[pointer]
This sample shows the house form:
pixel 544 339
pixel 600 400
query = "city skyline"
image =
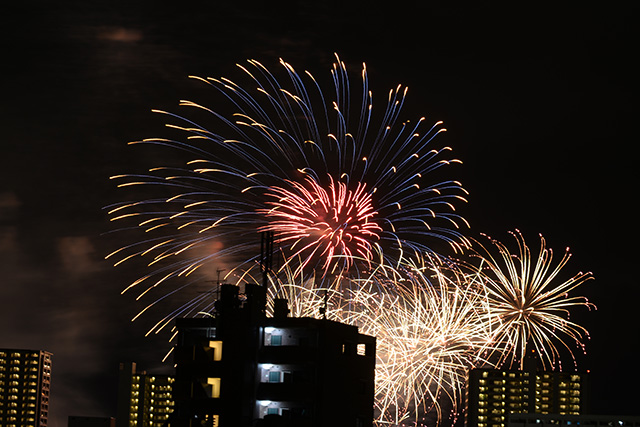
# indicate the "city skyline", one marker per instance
pixel 541 120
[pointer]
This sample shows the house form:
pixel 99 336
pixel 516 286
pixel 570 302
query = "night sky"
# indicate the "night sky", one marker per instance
pixel 537 102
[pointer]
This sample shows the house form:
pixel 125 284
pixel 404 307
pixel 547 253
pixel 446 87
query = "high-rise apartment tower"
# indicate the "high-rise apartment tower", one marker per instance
pixel 493 394
pixel 25 383
pixel 144 400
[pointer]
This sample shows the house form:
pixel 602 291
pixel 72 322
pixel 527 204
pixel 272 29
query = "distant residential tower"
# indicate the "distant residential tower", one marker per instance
pixel 144 400
pixel 25 383
pixel 494 394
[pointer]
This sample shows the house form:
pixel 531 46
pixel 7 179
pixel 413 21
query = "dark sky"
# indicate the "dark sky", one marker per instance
pixel 537 102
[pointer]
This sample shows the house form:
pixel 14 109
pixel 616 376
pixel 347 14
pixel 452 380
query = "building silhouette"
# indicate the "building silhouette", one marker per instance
pixel 144 400
pixel 494 394
pixel 240 368
pixel 25 383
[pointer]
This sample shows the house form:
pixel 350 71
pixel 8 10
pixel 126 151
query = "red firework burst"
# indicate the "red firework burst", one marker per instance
pixel 334 224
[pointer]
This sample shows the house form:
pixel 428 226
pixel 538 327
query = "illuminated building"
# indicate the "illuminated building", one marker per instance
pixel 144 400
pixel 25 383
pixel 241 368
pixel 493 394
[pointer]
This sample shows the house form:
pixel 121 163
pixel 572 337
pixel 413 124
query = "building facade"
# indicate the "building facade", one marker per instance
pixel 241 368
pixel 25 385
pixel 144 400
pixel 493 394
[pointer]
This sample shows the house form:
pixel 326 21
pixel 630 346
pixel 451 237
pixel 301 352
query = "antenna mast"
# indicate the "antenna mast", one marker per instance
pixel 266 257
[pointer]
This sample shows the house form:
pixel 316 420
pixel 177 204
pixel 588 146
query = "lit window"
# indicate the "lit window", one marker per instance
pixel 217 350
pixel 361 349
pixel 276 340
pixel 214 387
pixel 274 377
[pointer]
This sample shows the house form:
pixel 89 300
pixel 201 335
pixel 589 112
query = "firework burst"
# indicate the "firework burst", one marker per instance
pixel 528 304
pixel 335 180
pixel 331 222
pixel 428 323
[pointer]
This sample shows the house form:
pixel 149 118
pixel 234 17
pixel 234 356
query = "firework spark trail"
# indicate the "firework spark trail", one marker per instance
pixel 360 182
pixel 528 304
pixel 427 319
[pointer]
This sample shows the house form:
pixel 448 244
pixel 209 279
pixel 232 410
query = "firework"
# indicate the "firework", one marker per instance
pixel 429 330
pixel 334 179
pixel 528 304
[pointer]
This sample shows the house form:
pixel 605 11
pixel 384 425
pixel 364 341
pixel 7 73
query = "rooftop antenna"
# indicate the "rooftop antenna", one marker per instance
pixel 217 290
pixel 219 270
pixel 325 299
pixel 266 257
pixel 323 309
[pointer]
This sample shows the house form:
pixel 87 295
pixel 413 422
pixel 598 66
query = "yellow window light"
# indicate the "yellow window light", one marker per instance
pixel 214 384
pixel 217 350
